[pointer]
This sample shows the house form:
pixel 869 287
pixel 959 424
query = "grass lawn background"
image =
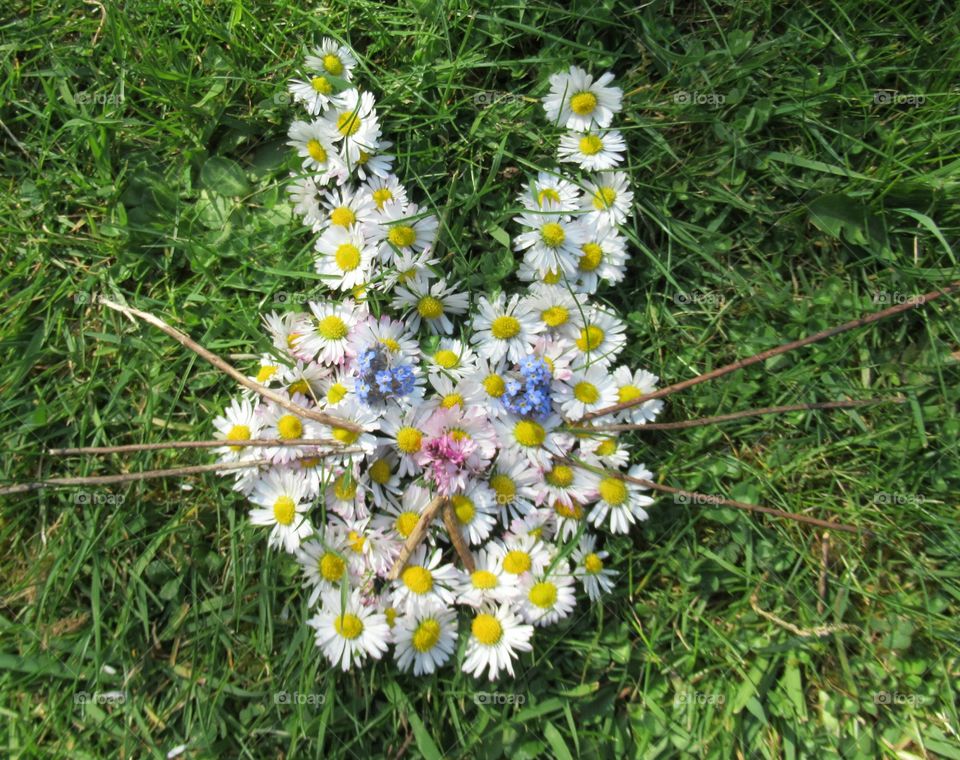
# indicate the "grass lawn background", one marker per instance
pixel 795 165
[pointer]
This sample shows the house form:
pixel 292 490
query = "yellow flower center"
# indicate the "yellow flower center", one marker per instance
pixel 516 562
pixel 300 386
pixel 391 344
pixel 483 579
pixel 529 433
pixel 543 595
pixel 356 541
pixel 345 487
pixel 321 85
pixel 607 447
pixel 464 508
pixel 548 194
pixel 592 563
pixel 451 400
pixel 628 393
pixel 586 393
pixel 382 196
pixel 430 307
pixel 402 236
pixel 363 158
pixel 391 613
pixel 332 567
pixel 265 373
pixel 336 393
pixel 426 636
pixel 446 359
pixel 552 235
pixel 332 328
pixel 292 341
pixel 504 487
pixel 346 437
pixel 549 362
pixel 289 427
pixel 380 472
pixel 591 258
pixel 591 337
pixel 486 629
pixel 317 152
pixel 409 440
pixel 604 198
pixel 349 626
pixel 406 522
pixel 613 491
pixel 342 216
pixel 494 385
pixel 555 316
pixel 504 328
pixel 418 579
pixel 332 64
pixel 582 103
pixel 348 123
pixel 238 433
pixel 348 257
pixel 560 476
pixel 590 145
pixel 551 277
pixel 572 512
pixel 283 509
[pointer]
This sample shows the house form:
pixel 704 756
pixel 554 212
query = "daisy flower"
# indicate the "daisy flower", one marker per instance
pixel 474 509
pixel 372 551
pixel 589 568
pixel 332 58
pixel 431 304
pixel 491 377
pixel 592 151
pixel 568 517
pixel 601 337
pixel 632 385
pixel 279 422
pixel 373 162
pixel 547 598
pixel 604 450
pixel 385 191
pixel 348 631
pixel 346 495
pixel 392 334
pixel 402 229
pixel 550 242
pixel 363 441
pixel 621 500
pixel 305 196
pixel 336 387
pixel 586 391
pixel 315 472
pixel 576 101
pixel 404 430
pixel 345 258
pixel 537 441
pixel 539 523
pixel 382 479
pixel 602 257
pixel 315 92
pixel 522 554
pixel 303 378
pixel 607 199
pixel 550 192
pixel 239 422
pixel 488 584
pixel 314 142
pixel 353 120
pixel 453 358
pixel 400 521
pixel 406 267
pixel 555 307
pixel 513 481
pixel 504 329
pixel 346 208
pixel 423 581
pixel 564 484
pixel 495 638
pixel 324 562
pixel 281 498
pixel 283 329
pixel 425 638
pixel 326 337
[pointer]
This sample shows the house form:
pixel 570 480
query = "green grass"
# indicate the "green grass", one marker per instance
pixel 777 196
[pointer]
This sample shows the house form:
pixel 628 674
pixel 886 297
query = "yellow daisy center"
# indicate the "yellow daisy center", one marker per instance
pixel 613 491
pixel 548 194
pixel 348 257
pixel 549 362
pixel 591 337
pixel 552 235
pixel 332 567
pixel 317 152
pixel 332 328
pixel 363 158
pixel 289 427
pixel 504 487
pixel 349 626
pixel 348 123
pixel 391 344
pixel 516 562
pixel 483 579
pixel 283 509
pixel 336 393
pixel 555 316
pixel 238 433
pixel 345 488
pixel 300 386
pixel 581 103
pixel 418 579
pixel 451 400
pixel 590 145
pixel 265 373
pixel 342 216
pixel 464 508
pixel 380 472
pixel 504 328
pixel 592 563
pixel 543 595
pixel 409 440
pixel 551 277
pixel 382 196
pixel 346 437
pixel 560 476
pixel 332 64
pixel 628 393
pixel 529 433
pixel 402 235
pixel 494 385
pixel 406 522
pixel 321 85
pixel 446 358
pixel 604 198
pixel 430 307
pixel 586 393
pixel 486 629
pixel 591 258
pixel 426 636
pixel 607 447
pixel 356 541
pixel 572 512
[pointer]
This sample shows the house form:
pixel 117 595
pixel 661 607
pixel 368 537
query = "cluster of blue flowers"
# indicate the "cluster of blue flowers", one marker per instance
pixel 378 380
pixel 529 395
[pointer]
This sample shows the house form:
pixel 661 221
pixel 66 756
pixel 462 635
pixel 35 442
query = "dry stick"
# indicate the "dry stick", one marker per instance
pixel 738 415
pixel 216 361
pixel 764 355
pixel 416 536
pixel 456 537
pixel 134 447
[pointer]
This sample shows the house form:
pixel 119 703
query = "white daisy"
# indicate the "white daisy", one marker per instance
pixel 433 305
pixel 337 387
pixel 550 243
pixel 373 162
pixel 332 58
pixel 586 391
pixel 305 196
pixel 402 229
pixel 385 191
pixel 348 631
pixel 568 517
pixel 314 142
pixel 488 583
pixel 407 266
pixel 602 257
pixel 400 520
pixel 495 639
pixel 404 430
pixel 346 496
pixel 522 554
pixel 303 378
pixel 592 151
pixel 326 336
pixel 353 121
pixel 555 307
pixel 563 483
pixel 345 208
pixel 424 580
pixel 513 480
pixel 393 334
pixel 345 258
pixel 283 329
pixel 633 385
pixel 547 598
pixel 621 500
pixel 550 192
pixel 453 358
pixel 604 450
pixel 538 441
pixel 589 568
pixel 608 199
pixel 324 561
pixel 504 329
pixel 426 638
pixel 600 339
pixel 238 423
pixel 279 422
pixel 538 523
pixel 382 479
pixel 315 92
pixel 475 510
pixel 575 101
pixel 281 498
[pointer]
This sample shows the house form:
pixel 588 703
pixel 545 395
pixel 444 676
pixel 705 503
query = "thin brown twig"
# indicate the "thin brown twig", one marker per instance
pixel 456 537
pixel 427 517
pixel 700 421
pixel 186 341
pixel 910 303
pixel 135 447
